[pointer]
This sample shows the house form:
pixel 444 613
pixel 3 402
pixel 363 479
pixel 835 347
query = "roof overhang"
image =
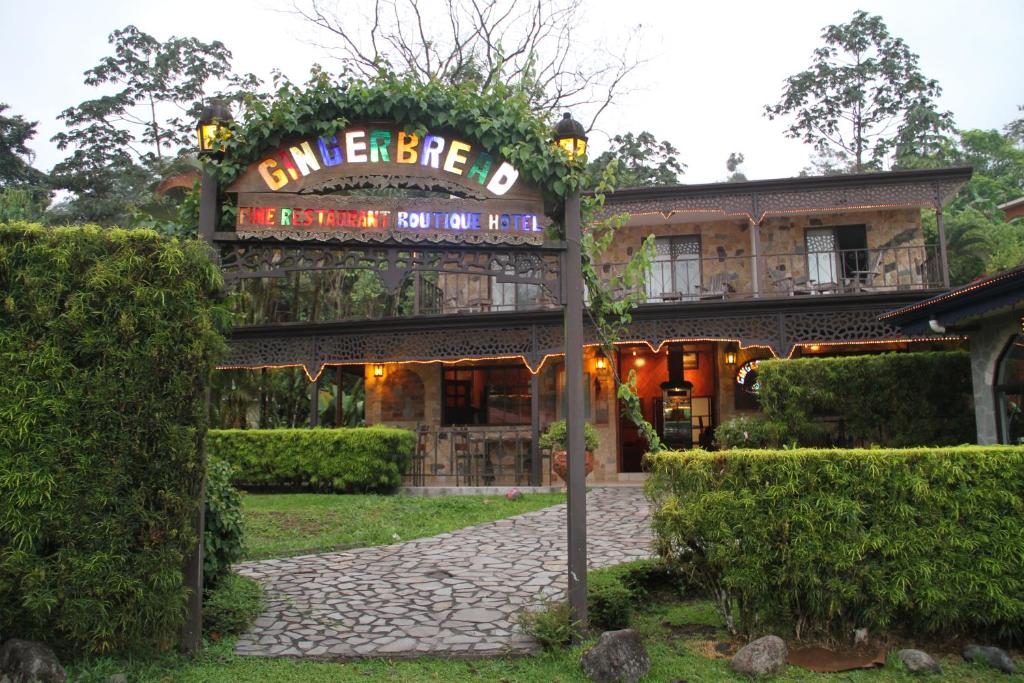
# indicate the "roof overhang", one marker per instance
pixel 963 306
pixel 759 199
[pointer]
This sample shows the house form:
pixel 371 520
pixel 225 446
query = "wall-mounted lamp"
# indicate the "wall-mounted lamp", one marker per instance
pixel 730 358
pixel 601 363
pixel 378 370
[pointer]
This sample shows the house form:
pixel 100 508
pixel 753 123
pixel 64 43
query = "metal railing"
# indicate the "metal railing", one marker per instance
pixel 473 456
pixel 845 271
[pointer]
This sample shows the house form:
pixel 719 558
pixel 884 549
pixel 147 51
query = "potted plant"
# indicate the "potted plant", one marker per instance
pixel 555 439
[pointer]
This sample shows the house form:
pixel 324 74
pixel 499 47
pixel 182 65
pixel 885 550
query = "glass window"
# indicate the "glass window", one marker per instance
pixel 675 272
pixel 486 395
pixel 512 296
pixel 836 255
pixel 1010 393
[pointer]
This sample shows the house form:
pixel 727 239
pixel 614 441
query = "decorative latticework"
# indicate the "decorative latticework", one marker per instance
pixel 780 331
pixel 759 200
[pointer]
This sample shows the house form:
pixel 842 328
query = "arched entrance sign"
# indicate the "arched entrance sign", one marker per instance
pixel 467 194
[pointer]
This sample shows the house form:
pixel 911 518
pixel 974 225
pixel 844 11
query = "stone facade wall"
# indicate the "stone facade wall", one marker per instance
pixel 726 245
pixel 987 344
pixel 409 394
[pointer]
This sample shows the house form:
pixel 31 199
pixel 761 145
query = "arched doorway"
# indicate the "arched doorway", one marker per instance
pixel 1009 388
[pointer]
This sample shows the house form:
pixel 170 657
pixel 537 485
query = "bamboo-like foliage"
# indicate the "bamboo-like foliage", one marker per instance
pixel 819 542
pixel 891 399
pixel 107 339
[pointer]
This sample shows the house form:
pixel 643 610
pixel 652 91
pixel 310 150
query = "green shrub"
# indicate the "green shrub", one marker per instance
pixel 353 460
pixel 614 592
pixel 891 399
pixel 551 625
pixel 223 531
pixel 107 340
pixel 749 432
pixel 823 541
pixel 556 437
pixel 231 607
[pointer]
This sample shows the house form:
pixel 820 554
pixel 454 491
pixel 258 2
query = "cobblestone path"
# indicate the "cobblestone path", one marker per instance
pixel 452 594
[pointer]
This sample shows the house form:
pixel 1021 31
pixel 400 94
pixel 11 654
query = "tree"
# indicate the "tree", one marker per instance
pixel 863 99
pixel 24 190
pixel 732 164
pixel 526 44
pixel 126 140
pixel 978 238
pixel 642 161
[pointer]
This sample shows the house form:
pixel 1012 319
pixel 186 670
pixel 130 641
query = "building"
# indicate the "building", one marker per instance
pixel 464 346
pixel 989 313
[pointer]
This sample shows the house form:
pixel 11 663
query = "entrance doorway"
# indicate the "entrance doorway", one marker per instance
pixel 651 371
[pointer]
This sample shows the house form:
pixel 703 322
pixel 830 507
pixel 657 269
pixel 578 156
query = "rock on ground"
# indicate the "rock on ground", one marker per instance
pixel 28 661
pixel 618 657
pixel 918 662
pixel 993 656
pixel 761 657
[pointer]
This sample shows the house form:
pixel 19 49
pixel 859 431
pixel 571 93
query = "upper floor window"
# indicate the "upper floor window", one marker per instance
pixel 836 255
pixel 675 272
pixel 513 296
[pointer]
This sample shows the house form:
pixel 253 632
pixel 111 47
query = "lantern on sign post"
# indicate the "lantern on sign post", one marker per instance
pixel 212 122
pixel 571 136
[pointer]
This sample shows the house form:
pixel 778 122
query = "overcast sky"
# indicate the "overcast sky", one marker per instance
pixel 712 65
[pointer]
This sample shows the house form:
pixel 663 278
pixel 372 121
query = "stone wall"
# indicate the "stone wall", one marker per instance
pixel 987 345
pixel 726 245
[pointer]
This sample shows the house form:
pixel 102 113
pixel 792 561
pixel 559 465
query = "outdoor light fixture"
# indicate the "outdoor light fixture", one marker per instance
pixel 571 136
pixel 378 370
pixel 211 122
pixel 730 358
pixel 814 347
pixel 600 364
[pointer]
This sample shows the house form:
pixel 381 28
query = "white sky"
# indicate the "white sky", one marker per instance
pixel 713 65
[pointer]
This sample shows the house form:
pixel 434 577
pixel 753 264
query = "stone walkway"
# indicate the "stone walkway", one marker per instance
pixel 455 594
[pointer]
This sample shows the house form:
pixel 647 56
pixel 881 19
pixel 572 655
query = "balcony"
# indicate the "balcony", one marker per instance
pixel 336 295
pixel 848 271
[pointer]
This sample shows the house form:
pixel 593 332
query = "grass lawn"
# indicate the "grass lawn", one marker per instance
pixel 280 525
pixel 676 631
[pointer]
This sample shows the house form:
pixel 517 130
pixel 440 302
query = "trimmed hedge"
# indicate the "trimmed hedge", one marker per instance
pixel 824 541
pixel 353 460
pixel 891 399
pixel 107 340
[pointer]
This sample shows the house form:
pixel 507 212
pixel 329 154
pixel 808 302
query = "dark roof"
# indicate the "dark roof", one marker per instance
pixel 961 173
pixel 997 292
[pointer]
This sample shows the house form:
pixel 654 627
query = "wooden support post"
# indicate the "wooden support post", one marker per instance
pixel 755 258
pixel 314 405
pixel 943 256
pixel 209 207
pixel 536 474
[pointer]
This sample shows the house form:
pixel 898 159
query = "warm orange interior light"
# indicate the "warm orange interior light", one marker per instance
pixel 814 347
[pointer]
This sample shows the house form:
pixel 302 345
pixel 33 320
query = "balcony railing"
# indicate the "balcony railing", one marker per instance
pixel 846 271
pixel 316 296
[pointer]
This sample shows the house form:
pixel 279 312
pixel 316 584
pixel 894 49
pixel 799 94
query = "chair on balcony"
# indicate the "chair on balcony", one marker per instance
pixel 718 287
pixel 786 283
pixel 864 280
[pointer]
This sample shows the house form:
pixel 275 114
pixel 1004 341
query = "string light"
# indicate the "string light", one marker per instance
pixel 965 289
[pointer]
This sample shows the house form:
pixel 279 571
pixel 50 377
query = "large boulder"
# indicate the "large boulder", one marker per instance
pixel 27 661
pixel 993 656
pixel 762 657
pixel 918 662
pixel 618 657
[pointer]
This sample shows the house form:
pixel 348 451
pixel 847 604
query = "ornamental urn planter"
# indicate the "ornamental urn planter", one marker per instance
pixel 560 464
